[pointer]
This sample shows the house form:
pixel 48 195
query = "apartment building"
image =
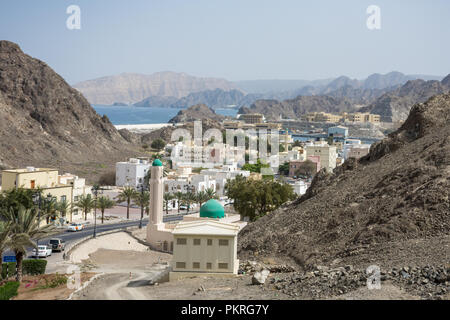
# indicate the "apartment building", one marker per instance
pixel 327 154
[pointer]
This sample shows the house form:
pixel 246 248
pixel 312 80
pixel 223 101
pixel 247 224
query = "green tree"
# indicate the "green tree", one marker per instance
pixel 142 199
pixel 127 194
pixel 63 207
pixel 158 144
pixel 255 167
pixel 189 198
pixel 20 197
pixel 5 237
pixel 180 199
pixel 256 198
pixel 85 203
pixel 167 198
pixel 201 197
pixel 104 203
pixel 25 228
pixel 307 169
pixel 211 194
pixel 49 206
pixel 284 169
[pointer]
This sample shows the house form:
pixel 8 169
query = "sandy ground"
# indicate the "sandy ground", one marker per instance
pixel 120 286
pixel 28 289
pixel 115 241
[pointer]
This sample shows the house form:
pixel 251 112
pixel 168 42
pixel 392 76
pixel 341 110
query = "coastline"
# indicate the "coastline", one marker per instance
pixel 143 128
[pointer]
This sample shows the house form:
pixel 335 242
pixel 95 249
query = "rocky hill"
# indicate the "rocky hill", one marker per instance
pixel 214 98
pixel 132 88
pixel 294 108
pixel 197 112
pixel 43 120
pixel 391 208
pixel 394 106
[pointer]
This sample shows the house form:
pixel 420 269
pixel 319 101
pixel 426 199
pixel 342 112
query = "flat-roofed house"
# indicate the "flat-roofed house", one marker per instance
pixel 205 246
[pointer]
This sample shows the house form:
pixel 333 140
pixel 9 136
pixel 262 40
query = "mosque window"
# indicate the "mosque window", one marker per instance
pixel 209 242
pixel 223 242
pixel 223 265
pixel 209 265
pixel 196 265
pixel 197 242
pixel 181 265
pixel 181 241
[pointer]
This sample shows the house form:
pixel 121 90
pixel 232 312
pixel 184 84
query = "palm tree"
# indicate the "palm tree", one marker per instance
pixel 25 227
pixel 143 200
pixel 211 194
pixel 86 203
pixel 63 207
pixel 189 197
pixel 103 204
pixel 5 236
pixel 127 194
pixel 180 198
pixel 49 207
pixel 201 197
pixel 167 197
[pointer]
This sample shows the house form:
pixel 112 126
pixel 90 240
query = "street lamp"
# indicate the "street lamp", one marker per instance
pixel 142 206
pixel 37 202
pixel 95 191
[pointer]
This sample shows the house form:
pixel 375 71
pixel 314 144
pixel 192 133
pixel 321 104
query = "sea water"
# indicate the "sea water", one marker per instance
pixel 122 115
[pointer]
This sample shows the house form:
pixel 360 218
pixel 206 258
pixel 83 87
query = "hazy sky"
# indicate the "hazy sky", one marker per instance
pixel 233 39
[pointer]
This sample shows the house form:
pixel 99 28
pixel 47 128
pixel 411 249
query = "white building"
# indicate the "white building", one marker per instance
pixel 206 246
pixel 193 183
pixel 221 176
pixel 131 173
pixel 338 131
pixel 299 187
pixel 355 150
pixel 79 188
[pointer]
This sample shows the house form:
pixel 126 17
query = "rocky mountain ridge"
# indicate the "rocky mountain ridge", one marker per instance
pixel 43 120
pixel 390 207
pixel 133 87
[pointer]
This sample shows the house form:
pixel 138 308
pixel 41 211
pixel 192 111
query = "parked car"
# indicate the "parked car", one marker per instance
pixel 43 251
pixel 183 207
pixel 58 244
pixel 76 227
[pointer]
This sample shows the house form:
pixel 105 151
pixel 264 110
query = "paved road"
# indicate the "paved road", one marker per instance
pixel 71 237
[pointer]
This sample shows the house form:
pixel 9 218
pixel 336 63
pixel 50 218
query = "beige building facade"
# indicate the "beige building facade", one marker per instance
pixel 205 246
pixel 327 154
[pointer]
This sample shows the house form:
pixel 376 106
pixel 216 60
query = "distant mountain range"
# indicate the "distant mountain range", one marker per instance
pixel 392 104
pixel 130 88
pixel 179 90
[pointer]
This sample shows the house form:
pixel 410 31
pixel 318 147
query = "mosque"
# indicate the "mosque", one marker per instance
pixel 204 242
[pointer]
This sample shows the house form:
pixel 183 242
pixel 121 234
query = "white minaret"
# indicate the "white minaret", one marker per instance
pixel 156 192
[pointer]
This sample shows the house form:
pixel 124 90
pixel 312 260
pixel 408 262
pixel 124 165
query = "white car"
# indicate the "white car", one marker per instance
pixel 42 252
pixel 76 227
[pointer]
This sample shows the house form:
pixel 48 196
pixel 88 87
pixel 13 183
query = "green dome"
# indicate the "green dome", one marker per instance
pixel 157 163
pixel 212 209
